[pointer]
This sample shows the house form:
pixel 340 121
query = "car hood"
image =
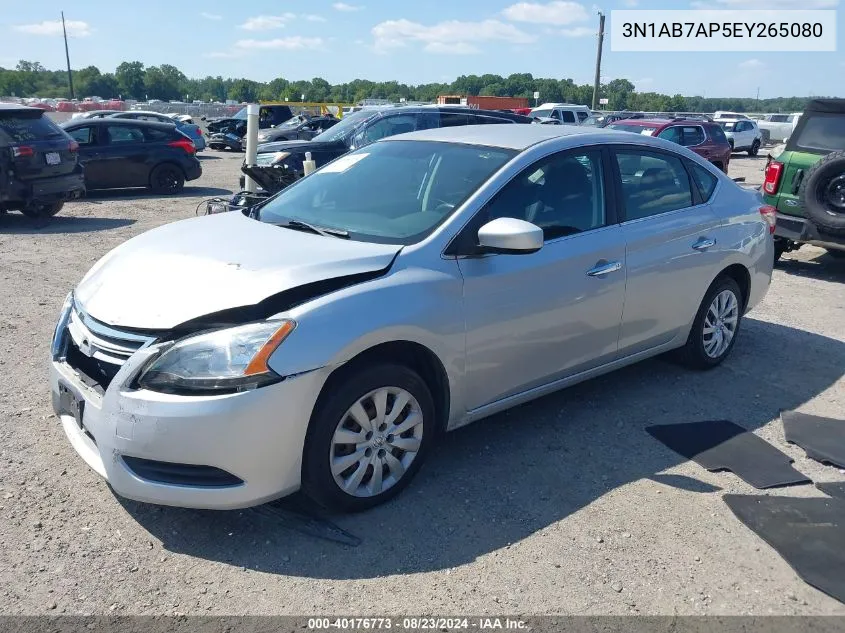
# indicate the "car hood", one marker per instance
pixel 297 146
pixel 185 270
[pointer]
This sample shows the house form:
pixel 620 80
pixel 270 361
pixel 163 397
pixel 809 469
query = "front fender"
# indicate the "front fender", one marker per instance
pixel 419 305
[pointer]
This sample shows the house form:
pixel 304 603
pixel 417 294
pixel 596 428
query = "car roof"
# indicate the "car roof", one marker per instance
pixel 647 122
pixel 11 107
pixel 517 137
pixel 139 112
pixel 155 125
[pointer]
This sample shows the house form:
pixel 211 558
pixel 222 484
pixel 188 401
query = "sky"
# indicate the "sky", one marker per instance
pixel 410 41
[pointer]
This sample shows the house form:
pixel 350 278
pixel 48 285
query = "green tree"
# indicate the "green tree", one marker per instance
pixel 130 80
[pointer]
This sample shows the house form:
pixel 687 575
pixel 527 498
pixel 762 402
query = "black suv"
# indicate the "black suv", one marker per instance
pixel 279 164
pixel 39 163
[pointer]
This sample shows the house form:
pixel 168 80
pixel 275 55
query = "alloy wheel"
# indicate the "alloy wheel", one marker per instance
pixel 376 441
pixel 720 324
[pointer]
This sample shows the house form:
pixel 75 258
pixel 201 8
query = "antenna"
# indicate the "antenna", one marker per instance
pixel 67 57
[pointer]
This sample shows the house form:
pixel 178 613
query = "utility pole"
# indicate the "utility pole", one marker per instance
pixel 598 62
pixel 67 57
pixel 758 98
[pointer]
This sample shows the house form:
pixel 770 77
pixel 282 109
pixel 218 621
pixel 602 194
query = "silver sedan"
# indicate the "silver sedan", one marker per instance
pixel 325 339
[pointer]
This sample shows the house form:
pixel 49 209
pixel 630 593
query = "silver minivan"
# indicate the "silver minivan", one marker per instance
pixel 326 338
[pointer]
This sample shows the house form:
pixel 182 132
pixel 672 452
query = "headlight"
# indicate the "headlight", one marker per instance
pixel 58 333
pixel 234 359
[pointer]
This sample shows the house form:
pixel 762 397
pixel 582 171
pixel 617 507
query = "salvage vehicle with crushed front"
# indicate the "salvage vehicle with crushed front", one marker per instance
pixel 327 337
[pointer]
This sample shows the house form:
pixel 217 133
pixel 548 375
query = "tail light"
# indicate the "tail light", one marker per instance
pixel 184 143
pixel 198 132
pixel 73 146
pixel 22 151
pixel 771 182
pixel 769 214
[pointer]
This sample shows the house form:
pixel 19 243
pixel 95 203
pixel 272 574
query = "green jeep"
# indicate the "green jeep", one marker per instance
pixel 806 182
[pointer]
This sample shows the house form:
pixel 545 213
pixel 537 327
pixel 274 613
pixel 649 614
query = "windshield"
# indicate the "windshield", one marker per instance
pixel 730 126
pixel 393 192
pixel 347 126
pixel 645 130
pixel 240 114
pixel 541 114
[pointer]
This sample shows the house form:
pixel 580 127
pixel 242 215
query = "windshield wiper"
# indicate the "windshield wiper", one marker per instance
pixel 319 230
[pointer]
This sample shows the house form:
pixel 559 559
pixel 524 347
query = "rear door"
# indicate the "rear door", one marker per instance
pixel 671 251
pixel 38 148
pixel 125 156
pixel 90 154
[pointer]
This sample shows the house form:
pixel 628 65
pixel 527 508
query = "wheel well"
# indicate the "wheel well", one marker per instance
pixel 742 277
pixel 167 163
pixel 412 355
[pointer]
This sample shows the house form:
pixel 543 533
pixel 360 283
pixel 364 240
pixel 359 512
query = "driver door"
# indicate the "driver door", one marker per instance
pixel 535 318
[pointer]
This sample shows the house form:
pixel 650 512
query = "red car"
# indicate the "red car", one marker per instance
pixel 705 138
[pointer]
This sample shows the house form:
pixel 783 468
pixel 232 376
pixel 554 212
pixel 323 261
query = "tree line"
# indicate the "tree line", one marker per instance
pixel 134 80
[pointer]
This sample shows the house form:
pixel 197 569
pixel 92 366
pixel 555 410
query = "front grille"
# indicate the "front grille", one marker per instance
pixel 181 474
pixel 97 350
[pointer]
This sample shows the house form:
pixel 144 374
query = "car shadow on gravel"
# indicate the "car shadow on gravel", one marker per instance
pixel 14 223
pixel 108 195
pixel 824 267
pixel 500 480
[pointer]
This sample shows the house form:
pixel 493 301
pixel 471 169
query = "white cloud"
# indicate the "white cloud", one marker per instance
pixel 764 4
pixel 579 31
pixel 211 16
pixel 342 6
pixel 267 22
pixel 557 12
pixel 314 18
pixel 293 43
pixel 456 48
pixel 444 37
pixel 224 54
pixel 75 28
pixel 752 64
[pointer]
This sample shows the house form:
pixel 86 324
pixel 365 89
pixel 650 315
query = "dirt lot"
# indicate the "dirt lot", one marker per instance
pixel 561 506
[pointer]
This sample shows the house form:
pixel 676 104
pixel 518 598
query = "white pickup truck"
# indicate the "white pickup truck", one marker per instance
pixel 777 127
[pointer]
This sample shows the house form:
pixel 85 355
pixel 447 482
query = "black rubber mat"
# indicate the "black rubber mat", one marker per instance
pixel 723 445
pixel 822 438
pixel 808 534
pixel 833 489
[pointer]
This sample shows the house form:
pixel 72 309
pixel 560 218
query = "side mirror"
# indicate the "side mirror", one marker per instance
pixel 510 236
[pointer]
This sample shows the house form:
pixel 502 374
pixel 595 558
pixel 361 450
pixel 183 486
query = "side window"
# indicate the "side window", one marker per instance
pixel 704 180
pixel 582 116
pixel 692 135
pixel 568 117
pixel 452 119
pixel 124 134
pixel 556 114
pixel 156 136
pixel 562 194
pixel 652 183
pixel 671 134
pixel 84 136
pixel 389 126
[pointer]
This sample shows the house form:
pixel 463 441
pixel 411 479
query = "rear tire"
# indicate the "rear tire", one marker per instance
pixel 822 193
pixel 331 442
pixel 719 316
pixel 42 210
pixel 167 179
pixel 755 147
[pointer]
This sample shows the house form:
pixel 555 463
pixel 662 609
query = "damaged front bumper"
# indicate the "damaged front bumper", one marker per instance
pixel 215 452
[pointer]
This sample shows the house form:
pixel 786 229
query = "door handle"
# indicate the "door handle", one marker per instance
pixel 703 243
pixel 602 269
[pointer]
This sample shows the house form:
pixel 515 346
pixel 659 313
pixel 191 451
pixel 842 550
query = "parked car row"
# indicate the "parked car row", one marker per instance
pixel 183 124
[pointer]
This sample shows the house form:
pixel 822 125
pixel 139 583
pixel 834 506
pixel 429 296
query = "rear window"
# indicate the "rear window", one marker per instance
pixel 22 127
pixel 824 133
pixel 157 135
pixel 645 130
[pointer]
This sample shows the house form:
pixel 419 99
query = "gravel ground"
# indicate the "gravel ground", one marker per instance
pixel 563 506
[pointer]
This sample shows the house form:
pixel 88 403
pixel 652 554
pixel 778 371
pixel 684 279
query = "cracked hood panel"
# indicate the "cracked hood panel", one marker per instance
pixel 185 270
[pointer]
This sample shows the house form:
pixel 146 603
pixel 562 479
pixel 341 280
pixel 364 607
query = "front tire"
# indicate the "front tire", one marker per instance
pixel 716 326
pixel 755 147
pixel 368 438
pixel 167 179
pixel 43 210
